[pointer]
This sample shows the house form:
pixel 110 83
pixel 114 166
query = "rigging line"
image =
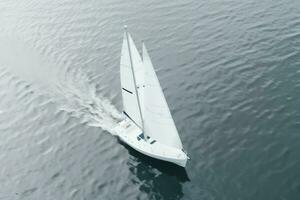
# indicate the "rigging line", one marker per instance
pixel 125 113
pixel 127 90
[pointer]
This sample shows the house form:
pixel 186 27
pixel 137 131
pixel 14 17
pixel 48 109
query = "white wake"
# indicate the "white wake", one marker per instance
pixel 68 87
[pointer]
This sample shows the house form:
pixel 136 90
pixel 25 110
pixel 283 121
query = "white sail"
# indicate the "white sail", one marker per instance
pixel 131 78
pixel 158 122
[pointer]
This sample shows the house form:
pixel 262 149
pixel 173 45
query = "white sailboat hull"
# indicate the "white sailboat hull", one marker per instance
pixel 148 126
pixel 129 133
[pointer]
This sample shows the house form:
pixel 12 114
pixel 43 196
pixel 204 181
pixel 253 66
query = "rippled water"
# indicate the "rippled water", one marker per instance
pixel 230 71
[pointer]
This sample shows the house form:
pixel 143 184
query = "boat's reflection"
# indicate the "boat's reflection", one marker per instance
pixel 156 178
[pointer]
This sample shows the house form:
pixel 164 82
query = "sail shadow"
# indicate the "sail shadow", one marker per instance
pixel 157 179
pixel 164 167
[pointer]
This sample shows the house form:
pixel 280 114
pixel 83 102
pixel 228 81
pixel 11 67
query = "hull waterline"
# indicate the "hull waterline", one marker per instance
pixel 130 135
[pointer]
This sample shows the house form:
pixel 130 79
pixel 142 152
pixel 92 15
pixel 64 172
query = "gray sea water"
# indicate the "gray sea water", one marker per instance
pixel 230 71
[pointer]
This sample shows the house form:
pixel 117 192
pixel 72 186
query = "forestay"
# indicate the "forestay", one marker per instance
pixel 158 122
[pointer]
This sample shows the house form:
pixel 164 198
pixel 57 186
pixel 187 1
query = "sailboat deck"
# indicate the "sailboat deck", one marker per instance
pixel 133 136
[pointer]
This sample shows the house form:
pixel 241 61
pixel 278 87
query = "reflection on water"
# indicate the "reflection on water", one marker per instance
pixel 158 179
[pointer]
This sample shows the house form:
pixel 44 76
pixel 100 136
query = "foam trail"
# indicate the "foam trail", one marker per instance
pixel 70 89
pixel 85 104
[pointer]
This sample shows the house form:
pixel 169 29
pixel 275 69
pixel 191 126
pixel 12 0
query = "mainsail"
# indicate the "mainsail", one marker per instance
pixel 132 77
pixel 158 122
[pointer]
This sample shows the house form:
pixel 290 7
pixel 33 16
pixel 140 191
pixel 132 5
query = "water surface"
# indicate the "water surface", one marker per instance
pixel 230 71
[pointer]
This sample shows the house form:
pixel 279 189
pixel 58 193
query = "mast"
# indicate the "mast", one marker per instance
pixel 134 80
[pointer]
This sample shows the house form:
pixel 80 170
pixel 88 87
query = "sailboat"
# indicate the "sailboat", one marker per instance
pixel 148 126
